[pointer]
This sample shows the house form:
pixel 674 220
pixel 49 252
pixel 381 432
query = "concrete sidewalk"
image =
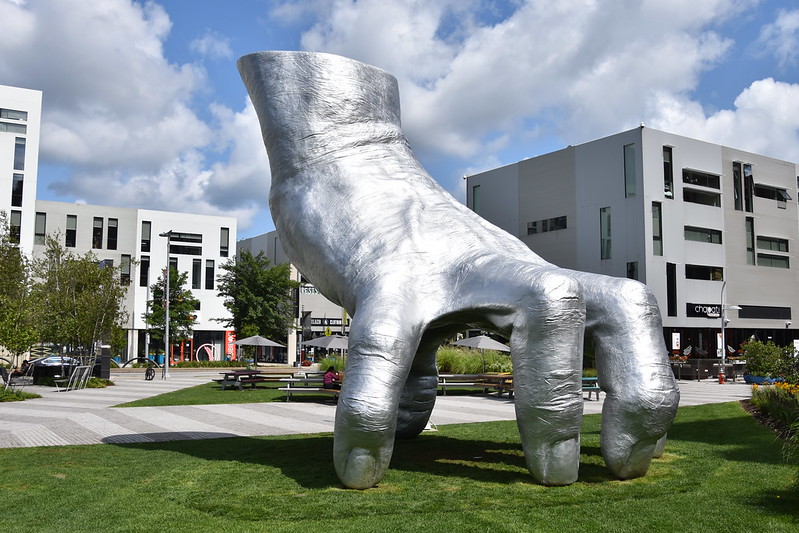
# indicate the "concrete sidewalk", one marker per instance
pixel 86 416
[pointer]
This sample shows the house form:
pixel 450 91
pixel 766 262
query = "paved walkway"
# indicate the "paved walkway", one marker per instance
pixel 86 416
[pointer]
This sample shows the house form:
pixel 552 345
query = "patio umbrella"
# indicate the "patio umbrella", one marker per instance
pixel 482 342
pixel 332 342
pixel 257 340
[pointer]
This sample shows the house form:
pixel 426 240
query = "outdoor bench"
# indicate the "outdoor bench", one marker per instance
pixel 459 381
pixel 591 386
pixel 306 386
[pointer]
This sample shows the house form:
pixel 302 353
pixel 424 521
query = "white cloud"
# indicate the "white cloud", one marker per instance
pixel 212 45
pixel 593 65
pixel 782 37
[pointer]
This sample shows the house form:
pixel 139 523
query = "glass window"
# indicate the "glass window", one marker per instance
pixel 629 170
pixel 476 199
pixel 13 114
pixel 185 250
pixel 749 188
pixel 124 269
pixel 19 154
pixel 72 231
pixel 224 242
pixel 704 179
pixel 632 270
pixel 196 273
pixel 693 233
pixel 668 172
pixel 532 228
pixel 671 289
pixel 772 243
pixel 173 263
pixel 144 271
pixel 40 228
pixel 704 272
pixel 16 190
pixel 750 241
pixel 737 186
pixel 701 197
pixel 657 229
pixel 604 233
pixel 97 233
pixel 186 237
pixel 5 127
pixel 209 274
pixel 775 261
pixel 15 226
pixel 146 229
pixel 113 229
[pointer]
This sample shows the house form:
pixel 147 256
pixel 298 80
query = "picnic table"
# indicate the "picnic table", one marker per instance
pixel 239 378
pixel 304 384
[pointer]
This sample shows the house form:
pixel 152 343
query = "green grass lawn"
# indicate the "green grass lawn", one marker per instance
pixel 721 472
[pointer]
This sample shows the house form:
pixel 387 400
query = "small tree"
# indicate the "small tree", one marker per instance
pixel 18 329
pixel 260 297
pixel 182 308
pixel 80 300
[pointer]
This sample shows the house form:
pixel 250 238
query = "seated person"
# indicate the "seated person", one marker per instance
pixel 330 379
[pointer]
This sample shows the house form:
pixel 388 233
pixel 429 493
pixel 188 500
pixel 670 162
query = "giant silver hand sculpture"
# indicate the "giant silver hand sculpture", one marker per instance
pixel 361 219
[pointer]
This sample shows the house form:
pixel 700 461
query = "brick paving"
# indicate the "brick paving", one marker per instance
pixel 87 416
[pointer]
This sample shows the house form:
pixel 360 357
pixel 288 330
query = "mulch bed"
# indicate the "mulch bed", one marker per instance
pixel 778 427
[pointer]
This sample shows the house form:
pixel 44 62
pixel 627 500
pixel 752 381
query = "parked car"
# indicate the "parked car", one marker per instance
pixel 52 366
pixel 55 360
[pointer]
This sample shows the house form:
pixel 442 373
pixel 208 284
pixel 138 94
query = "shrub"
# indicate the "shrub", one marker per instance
pixel 767 359
pixel 98 383
pixel 336 362
pixel 10 395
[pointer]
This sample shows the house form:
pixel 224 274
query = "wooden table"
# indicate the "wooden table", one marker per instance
pixel 241 377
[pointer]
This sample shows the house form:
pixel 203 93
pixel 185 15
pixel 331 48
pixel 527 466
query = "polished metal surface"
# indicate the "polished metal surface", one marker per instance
pixel 366 224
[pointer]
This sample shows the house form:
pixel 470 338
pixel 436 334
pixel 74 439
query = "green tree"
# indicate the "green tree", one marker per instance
pixel 260 297
pixel 80 300
pixel 17 314
pixel 182 308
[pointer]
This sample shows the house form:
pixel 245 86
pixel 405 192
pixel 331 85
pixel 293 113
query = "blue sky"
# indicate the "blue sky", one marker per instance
pixel 143 106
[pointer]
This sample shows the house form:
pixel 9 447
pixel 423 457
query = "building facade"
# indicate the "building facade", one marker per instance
pixel 125 237
pixel 707 227
pixel 20 119
pixel 315 315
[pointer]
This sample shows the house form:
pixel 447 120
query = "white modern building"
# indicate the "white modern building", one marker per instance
pixel 315 315
pixel 703 225
pixel 20 119
pixel 127 237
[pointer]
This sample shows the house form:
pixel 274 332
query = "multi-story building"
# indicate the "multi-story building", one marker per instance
pixel 707 227
pixel 20 118
pixel 126 237
pixel 135 240
pixel 315 315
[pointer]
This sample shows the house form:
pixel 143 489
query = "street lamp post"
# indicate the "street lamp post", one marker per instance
pixel 724 307
pixel 165 369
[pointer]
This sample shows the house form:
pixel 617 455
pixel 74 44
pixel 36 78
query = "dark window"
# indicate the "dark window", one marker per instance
pixel 15 226
pixel 476 199
pixel 13 114
pixel 704 272
pixel 604 233
pixel 671 289
pixel 40 228
pixel 186 237
pixel 737 186
pixel 173 263
pixel 772 243
pixel 548 224
pixel 632 270
pixel 97 233
pixel 209 274
pixel 196 273
pixel 750 241
pixel 712 236
pixel 72 231
pixel 773 193
pixel 532 228
pixel 749 188
pixel 657 229
pixel 224 242
pixel 16 190
pixel 629 171
pixel 668 172
pixel 701 197
pixel 697 177
pixel 144 271
pixel 19 154
pixel 775 261
pixel 146 230
pixel 185 250
pixel 113 230
pixel 124 270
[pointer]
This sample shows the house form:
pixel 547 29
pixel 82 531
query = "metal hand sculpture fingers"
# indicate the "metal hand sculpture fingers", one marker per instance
pixel 359 216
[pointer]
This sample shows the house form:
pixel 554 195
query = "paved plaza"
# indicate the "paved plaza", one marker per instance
pixel 87 416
